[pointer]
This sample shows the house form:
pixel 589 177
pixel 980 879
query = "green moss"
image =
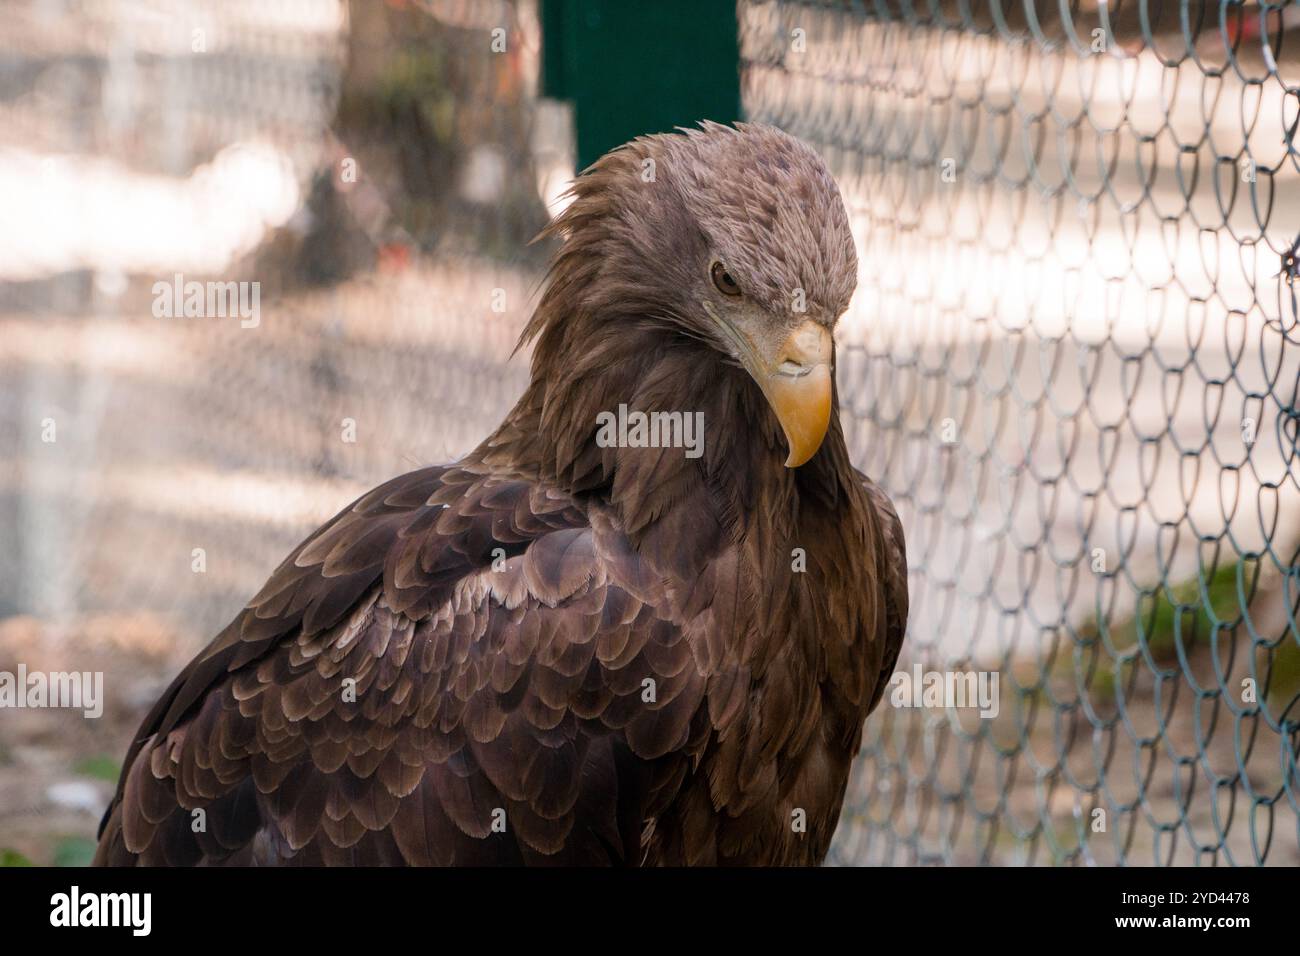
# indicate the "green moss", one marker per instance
pixel 1283 674
pixel 74 851
pixel 99 767
pixel 1187 611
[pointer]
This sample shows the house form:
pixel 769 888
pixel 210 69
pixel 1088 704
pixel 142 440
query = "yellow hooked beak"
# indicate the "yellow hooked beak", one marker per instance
pixel 797 384
pixel 794 374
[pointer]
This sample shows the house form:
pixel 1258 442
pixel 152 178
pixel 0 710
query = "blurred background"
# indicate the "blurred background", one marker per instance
pixel 1072 359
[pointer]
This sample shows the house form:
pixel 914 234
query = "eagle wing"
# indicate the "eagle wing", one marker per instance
pixel 456 669
pixel 894 574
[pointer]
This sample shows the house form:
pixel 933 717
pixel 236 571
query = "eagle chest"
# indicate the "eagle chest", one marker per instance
pixel 777 761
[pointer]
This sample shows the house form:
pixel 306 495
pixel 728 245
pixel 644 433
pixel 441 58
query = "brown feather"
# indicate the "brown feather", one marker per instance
pixel 643 679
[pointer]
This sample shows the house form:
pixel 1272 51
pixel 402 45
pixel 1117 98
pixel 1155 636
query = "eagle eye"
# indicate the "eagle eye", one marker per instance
pixel 723 281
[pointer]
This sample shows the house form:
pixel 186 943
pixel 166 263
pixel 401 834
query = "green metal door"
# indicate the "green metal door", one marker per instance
pixel 632 68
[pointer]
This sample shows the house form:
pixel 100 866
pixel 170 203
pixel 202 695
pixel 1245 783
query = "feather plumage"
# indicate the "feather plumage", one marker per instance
pixel 644 678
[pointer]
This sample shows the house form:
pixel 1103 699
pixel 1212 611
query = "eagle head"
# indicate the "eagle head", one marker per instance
pixel 734 236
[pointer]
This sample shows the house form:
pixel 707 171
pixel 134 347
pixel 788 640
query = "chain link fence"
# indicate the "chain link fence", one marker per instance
pixel 1072 361
pixel 378 170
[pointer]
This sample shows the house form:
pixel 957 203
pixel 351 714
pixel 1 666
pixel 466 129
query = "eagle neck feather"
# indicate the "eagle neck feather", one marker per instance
pixel 738 490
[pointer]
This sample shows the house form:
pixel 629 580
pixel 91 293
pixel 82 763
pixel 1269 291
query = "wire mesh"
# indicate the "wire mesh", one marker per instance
pixel 1072 362
pixel 153 470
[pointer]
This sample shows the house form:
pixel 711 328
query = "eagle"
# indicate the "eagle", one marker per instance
pixel 571 647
